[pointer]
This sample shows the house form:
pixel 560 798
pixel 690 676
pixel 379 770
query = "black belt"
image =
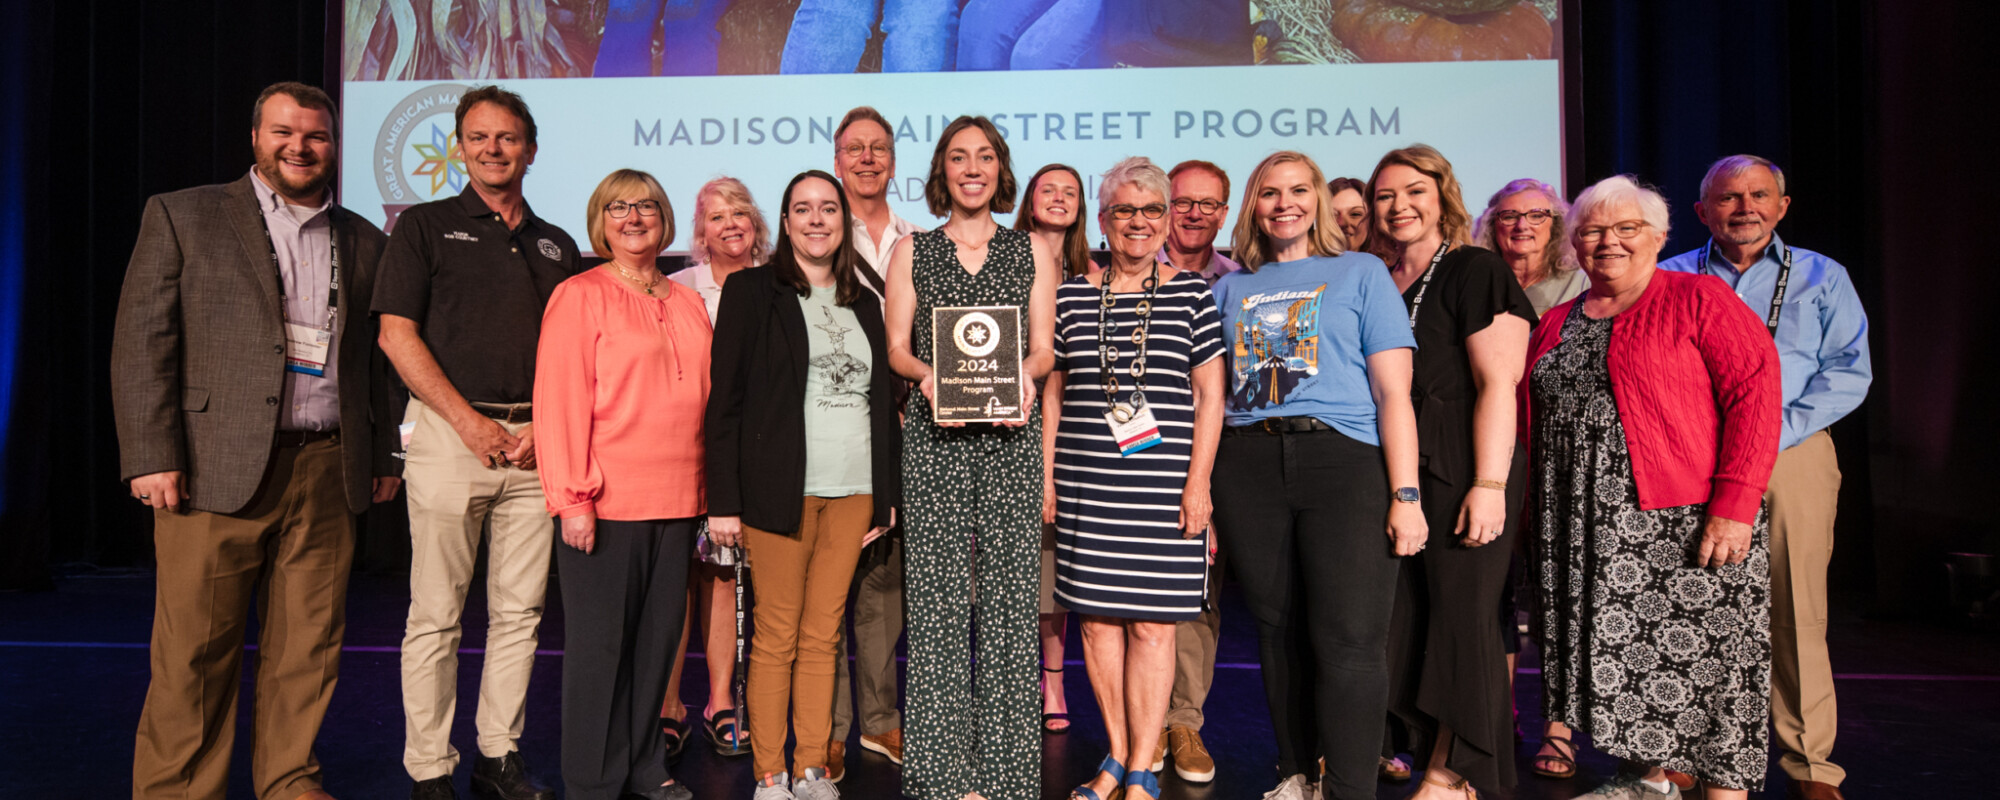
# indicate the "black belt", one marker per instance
pixel 1276 426
pixel 522 412
pixel 297 439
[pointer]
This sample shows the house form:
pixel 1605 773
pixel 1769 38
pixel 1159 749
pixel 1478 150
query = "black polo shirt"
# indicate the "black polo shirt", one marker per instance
pixel 476 290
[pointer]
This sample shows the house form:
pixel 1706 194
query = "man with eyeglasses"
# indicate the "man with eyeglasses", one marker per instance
pixel 1200 202
pixel 1810 306
pixel 864 158
pixel 460 302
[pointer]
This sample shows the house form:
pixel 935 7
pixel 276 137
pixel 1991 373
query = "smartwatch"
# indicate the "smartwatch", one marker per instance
pixel 1407 494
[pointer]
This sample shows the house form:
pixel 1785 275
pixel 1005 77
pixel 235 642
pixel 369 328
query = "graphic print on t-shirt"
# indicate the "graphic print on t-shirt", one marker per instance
pixel 1277 345
pixel 843 378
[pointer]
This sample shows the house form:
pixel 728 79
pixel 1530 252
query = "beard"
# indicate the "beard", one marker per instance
pixel 273 173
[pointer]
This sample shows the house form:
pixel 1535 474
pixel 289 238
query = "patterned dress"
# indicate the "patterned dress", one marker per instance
pixel 1660 661
pixel 1119 549
pixel 972 528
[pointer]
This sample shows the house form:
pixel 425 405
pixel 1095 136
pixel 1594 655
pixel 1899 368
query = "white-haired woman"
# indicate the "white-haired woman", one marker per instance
pixel 1139 370
pixel 1526 222
pixel 1653 411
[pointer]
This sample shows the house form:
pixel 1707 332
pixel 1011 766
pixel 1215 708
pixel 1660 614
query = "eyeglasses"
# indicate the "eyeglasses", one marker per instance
pixel 1183 205
pixel 618 209
pixel 855 150
pixel 1536 217
pixel 1151 210
pixel 1623 230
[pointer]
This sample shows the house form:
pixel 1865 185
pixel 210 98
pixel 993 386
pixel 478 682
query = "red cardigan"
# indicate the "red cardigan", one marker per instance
pixel 1695 377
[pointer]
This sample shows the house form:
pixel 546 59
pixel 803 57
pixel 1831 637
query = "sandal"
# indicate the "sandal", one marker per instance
pixel 1144 780
pixel 1393 770
pixel 675 732
pixel 732 743
pixel 1050 718
pixel 1567 762
pixel 1460 785
pixel 1109 767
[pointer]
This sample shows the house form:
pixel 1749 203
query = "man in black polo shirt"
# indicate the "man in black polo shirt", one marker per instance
pixel 460 301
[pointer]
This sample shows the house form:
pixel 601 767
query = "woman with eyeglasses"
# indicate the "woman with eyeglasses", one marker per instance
pixel 1139 377
pixel 1316 475
pixel 1526 223
pixel 1653 412
pixel 620 391
pixel 1471 321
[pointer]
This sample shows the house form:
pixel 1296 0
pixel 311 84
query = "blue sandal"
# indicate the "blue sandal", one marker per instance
pixel 1143 779
pixel 1110 767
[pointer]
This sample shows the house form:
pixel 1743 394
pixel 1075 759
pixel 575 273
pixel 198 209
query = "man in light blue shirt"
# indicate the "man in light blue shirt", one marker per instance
pixel 1822 336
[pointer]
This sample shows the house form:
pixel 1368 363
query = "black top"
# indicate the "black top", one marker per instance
pixel 1472 287
pixel 756 421
pixel 476 290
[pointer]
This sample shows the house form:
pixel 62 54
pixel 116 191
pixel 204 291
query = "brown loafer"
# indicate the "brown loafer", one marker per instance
pixel 1814 790
pixel 889 744
pixel 836 761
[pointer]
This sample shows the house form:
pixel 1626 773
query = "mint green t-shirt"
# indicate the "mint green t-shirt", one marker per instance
pixel 838 369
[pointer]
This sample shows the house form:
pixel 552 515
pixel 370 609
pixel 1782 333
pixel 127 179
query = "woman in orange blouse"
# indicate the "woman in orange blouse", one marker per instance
pixel 620 388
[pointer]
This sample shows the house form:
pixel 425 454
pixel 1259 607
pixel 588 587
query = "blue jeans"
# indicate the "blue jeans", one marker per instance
pixel 829 35
pixel 1067 36
pixel 691 39
pixel 988 29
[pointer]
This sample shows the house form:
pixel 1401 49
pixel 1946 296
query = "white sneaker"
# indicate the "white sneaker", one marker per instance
pixel 1293 788
pixel 1631 788
pixel 813 785
pixel 779 789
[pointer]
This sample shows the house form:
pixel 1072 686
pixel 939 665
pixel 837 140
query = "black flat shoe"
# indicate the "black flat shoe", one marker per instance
pixel 506 778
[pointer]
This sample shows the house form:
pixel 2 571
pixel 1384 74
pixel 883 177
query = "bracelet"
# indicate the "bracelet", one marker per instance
pixel 1487 483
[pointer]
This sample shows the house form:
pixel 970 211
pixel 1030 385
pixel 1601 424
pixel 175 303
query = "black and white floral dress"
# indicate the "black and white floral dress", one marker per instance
pixel 1658 660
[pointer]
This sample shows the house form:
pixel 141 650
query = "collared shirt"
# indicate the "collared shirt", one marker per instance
pixel 877 252
pixel 1218 265
pixel 1822 331
pixel 701 278
pixel 302 236
pixel 476 290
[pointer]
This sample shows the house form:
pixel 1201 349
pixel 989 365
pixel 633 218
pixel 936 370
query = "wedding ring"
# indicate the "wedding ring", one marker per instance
pixel 145 497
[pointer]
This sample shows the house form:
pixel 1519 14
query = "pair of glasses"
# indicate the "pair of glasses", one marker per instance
pixel 1151 210
pixel 1536 217
pixel 1624 230
pixel 618 209
pixel 855 150
pixel 1183 205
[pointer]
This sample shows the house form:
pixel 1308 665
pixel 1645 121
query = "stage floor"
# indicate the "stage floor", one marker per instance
pixel 1918 707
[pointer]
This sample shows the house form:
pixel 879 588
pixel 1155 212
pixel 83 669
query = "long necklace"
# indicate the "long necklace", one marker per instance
pixel 634 277
pixel 1107 348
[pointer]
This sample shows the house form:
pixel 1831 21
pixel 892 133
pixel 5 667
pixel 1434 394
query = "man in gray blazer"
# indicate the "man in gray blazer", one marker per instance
pixel 253 417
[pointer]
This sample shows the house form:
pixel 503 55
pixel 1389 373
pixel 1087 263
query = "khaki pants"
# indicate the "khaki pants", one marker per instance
pixel 455 500
pixel 801 582
pixel 1804 492
pixel 1194 656
pixel 290 549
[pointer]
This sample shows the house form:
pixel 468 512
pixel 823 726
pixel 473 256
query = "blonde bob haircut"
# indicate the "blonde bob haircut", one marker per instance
pixel 626 184
pixel 1454 222
pixel 1322 239
pixel 732 194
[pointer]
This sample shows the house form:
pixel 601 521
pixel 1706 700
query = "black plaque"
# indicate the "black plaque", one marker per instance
pixel 977 364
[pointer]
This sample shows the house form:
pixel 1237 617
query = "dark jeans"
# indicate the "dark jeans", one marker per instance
pixel 1302 517
pixel 623 606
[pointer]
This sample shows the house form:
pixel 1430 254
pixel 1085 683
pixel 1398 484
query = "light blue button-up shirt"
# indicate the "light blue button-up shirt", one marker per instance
pixel 1822 331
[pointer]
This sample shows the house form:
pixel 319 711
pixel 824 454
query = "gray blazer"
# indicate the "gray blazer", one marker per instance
pixel 198 354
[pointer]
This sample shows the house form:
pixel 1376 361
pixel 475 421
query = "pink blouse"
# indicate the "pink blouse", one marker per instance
pixel 621 385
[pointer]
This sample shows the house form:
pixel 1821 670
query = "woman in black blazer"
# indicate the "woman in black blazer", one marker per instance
pixel 803 464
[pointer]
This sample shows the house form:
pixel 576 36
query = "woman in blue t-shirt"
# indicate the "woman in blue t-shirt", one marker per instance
pixel 1320 356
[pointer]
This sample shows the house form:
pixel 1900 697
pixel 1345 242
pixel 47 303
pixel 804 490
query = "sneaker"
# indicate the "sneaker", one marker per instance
pixel 438 788
pixel 836 761
pixel 775 787
pixel 1191 759
pixel 506 778
pixel 889 744
pixel 1293 788
pixel 1631 788
pixel 814 785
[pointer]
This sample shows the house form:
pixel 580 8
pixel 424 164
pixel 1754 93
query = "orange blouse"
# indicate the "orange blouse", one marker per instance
pixel 621 383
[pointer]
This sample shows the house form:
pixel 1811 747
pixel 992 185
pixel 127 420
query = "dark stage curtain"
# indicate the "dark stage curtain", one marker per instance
pixel 1867 104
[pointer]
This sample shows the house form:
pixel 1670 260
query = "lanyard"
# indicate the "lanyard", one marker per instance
pixel 1424 284
pixel 1107 353
pixel 333 266
pixel 1777 292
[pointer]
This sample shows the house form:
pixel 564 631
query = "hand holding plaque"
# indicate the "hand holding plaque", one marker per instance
pixel 977 369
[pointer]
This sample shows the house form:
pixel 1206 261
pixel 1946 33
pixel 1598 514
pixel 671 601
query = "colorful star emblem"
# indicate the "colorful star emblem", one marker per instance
pixel 444 161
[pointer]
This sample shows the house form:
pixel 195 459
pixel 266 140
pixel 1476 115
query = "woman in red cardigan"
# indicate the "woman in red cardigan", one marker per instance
pixel 1652 413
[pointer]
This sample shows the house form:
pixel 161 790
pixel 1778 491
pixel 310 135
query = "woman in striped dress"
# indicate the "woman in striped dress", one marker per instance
pixel 1139 369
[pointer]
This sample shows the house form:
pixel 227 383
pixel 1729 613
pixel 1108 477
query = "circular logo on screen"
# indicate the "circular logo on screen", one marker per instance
pixel 976 333
pixel 415 154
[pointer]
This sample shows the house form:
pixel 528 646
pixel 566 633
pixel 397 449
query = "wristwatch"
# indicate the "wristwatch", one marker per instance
pixel 1407 494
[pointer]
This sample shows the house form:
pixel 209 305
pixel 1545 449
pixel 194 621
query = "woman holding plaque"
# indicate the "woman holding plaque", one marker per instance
pixel 1319 433
pixel 1139 370
pixel 969 489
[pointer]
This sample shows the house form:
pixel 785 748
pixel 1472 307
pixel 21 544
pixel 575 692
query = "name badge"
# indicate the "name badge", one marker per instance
pixel 306 347
pixel 1138 430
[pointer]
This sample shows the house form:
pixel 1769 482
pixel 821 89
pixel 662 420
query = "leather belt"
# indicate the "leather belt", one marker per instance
pixel 297 439
pixel 1277 426
pixel 520 412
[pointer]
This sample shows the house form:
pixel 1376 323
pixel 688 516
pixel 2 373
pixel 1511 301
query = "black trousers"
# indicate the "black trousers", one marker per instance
pixel 623 605
pixel 1302 518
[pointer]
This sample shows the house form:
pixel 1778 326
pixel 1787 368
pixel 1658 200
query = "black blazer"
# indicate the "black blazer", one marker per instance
pixel 756 424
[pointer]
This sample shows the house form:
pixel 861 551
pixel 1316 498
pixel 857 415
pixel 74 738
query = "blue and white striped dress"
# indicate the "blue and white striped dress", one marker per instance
pixel 1119 551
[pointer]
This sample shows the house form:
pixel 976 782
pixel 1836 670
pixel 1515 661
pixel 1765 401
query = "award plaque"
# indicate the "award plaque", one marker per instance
pixel 977 355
